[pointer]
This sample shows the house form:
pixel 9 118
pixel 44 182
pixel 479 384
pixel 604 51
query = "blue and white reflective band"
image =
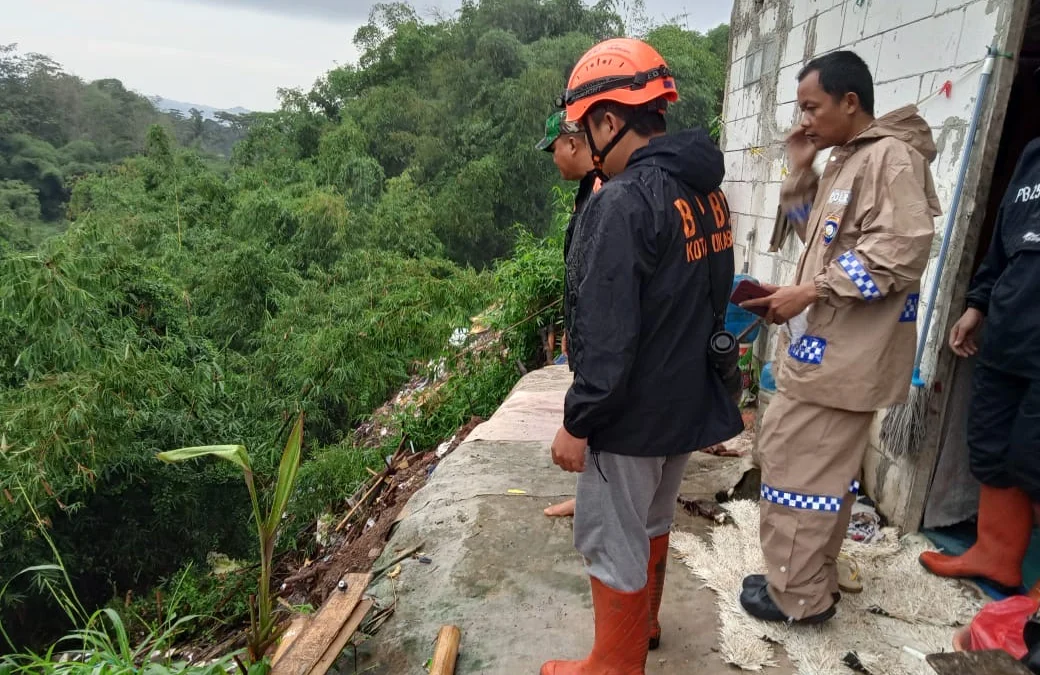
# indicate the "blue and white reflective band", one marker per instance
pixel 799 214
pixel 808 349
pixel 909 312
pixel 859 275
pixel 796 500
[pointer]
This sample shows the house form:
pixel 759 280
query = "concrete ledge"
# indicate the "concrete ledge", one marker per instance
pixel 504 573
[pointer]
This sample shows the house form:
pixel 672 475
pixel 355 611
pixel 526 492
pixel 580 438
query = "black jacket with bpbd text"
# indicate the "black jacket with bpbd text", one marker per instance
pixel 1006 287
pixel 639 314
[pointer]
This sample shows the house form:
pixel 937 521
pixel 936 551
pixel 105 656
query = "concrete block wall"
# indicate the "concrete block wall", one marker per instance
pixel 912 46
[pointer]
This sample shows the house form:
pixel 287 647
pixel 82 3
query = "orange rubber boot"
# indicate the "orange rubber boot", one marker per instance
pixel 1005 525
pixel 622 635
pixel 655 584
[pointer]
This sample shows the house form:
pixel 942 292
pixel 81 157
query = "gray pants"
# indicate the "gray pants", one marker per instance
pixel 615 519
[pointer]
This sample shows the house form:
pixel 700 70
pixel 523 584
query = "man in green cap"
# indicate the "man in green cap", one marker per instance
pixel 570 151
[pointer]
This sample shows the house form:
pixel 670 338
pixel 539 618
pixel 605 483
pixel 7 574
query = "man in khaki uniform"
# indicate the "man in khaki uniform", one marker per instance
pixel 848 334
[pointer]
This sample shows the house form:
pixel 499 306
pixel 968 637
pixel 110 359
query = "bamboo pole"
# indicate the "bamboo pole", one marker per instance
pixel 446 651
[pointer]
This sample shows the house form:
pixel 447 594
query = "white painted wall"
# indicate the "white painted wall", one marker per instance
pixel 912 47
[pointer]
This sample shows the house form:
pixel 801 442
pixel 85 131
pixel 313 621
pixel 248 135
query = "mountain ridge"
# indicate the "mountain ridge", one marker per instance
pixel 163 104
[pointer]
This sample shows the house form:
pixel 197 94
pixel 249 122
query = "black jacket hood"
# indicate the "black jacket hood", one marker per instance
pixel 690 156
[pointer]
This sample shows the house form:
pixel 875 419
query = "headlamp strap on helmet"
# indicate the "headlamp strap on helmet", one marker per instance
pixel 600 85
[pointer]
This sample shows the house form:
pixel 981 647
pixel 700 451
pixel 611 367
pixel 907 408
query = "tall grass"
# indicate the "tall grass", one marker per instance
pixel 102 645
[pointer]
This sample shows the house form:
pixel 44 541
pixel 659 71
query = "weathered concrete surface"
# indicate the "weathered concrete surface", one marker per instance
pixel 508 576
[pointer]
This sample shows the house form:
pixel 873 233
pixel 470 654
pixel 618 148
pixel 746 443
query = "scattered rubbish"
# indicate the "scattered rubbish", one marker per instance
pixel 458 337
pixel 865 524
pixel 376 621
pixel 425 561
pixel 221 564
pixel 913 652
pixel 444 448
pixel 323 530
pixel 720 450
pixel 403 556
pixel 706 508
pixel 848 574
pixel 852 662
pixel 371 522
pixel 749 487
pixel 1001 625
pixel 516 491
pixel 446 651
pixel 395 572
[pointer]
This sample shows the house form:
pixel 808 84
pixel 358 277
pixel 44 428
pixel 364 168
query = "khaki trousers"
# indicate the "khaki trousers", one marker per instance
pixel 811 459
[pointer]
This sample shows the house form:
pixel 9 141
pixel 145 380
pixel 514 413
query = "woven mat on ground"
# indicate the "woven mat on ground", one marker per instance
pixel 901 608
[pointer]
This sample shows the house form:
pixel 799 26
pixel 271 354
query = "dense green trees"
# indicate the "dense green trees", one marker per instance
pixel 55 128
pixel 193 301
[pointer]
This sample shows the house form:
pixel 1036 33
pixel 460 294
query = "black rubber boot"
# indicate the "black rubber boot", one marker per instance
pixel 753 580
pixel 757 602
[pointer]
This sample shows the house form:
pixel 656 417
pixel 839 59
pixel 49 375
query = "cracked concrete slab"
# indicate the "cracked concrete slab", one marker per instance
pixel 508 576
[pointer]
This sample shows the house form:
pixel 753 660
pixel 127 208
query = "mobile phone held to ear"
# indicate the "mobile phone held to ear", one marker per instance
pixel 749 290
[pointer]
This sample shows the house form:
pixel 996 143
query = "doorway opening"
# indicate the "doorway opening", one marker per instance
pixel 952 502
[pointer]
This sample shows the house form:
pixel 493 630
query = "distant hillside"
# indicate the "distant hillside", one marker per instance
pixel 208 112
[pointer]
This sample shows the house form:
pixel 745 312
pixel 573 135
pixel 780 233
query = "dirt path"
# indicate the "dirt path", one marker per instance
pixel 508 576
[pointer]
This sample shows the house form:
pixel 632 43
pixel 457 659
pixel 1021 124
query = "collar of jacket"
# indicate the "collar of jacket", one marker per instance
pixel 904 124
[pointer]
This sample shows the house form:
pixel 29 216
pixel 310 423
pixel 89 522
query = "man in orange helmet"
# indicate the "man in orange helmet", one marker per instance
pixel 648 276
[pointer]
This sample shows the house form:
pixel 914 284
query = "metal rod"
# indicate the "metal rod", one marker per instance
pixel 962 172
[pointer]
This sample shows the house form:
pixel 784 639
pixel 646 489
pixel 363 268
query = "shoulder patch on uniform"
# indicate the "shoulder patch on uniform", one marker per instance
pixel 842 197
pixel 909 312
pixel 830 229
pixel 808 349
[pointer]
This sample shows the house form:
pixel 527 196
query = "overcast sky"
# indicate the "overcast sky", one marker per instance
pixel 224 53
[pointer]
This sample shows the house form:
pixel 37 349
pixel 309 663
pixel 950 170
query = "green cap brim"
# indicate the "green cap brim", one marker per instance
pixel 545 144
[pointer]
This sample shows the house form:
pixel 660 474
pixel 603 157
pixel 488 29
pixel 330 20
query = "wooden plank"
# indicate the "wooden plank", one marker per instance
pixel 446 651
pixel 345 633
pixel 311 645
pixel 298 625
pixel 993 662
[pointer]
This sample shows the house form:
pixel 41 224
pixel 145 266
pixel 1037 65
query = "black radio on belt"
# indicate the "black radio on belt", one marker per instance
pixel 724 356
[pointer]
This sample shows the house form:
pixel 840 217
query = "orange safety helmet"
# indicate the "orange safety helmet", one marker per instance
pixel 623 70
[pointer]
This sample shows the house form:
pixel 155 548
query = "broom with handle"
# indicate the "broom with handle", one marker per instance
pixel 902 429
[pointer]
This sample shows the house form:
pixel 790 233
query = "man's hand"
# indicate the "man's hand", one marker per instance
pixel 785 303
pixel 962 337
pixel 800 150
pixel 568 452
